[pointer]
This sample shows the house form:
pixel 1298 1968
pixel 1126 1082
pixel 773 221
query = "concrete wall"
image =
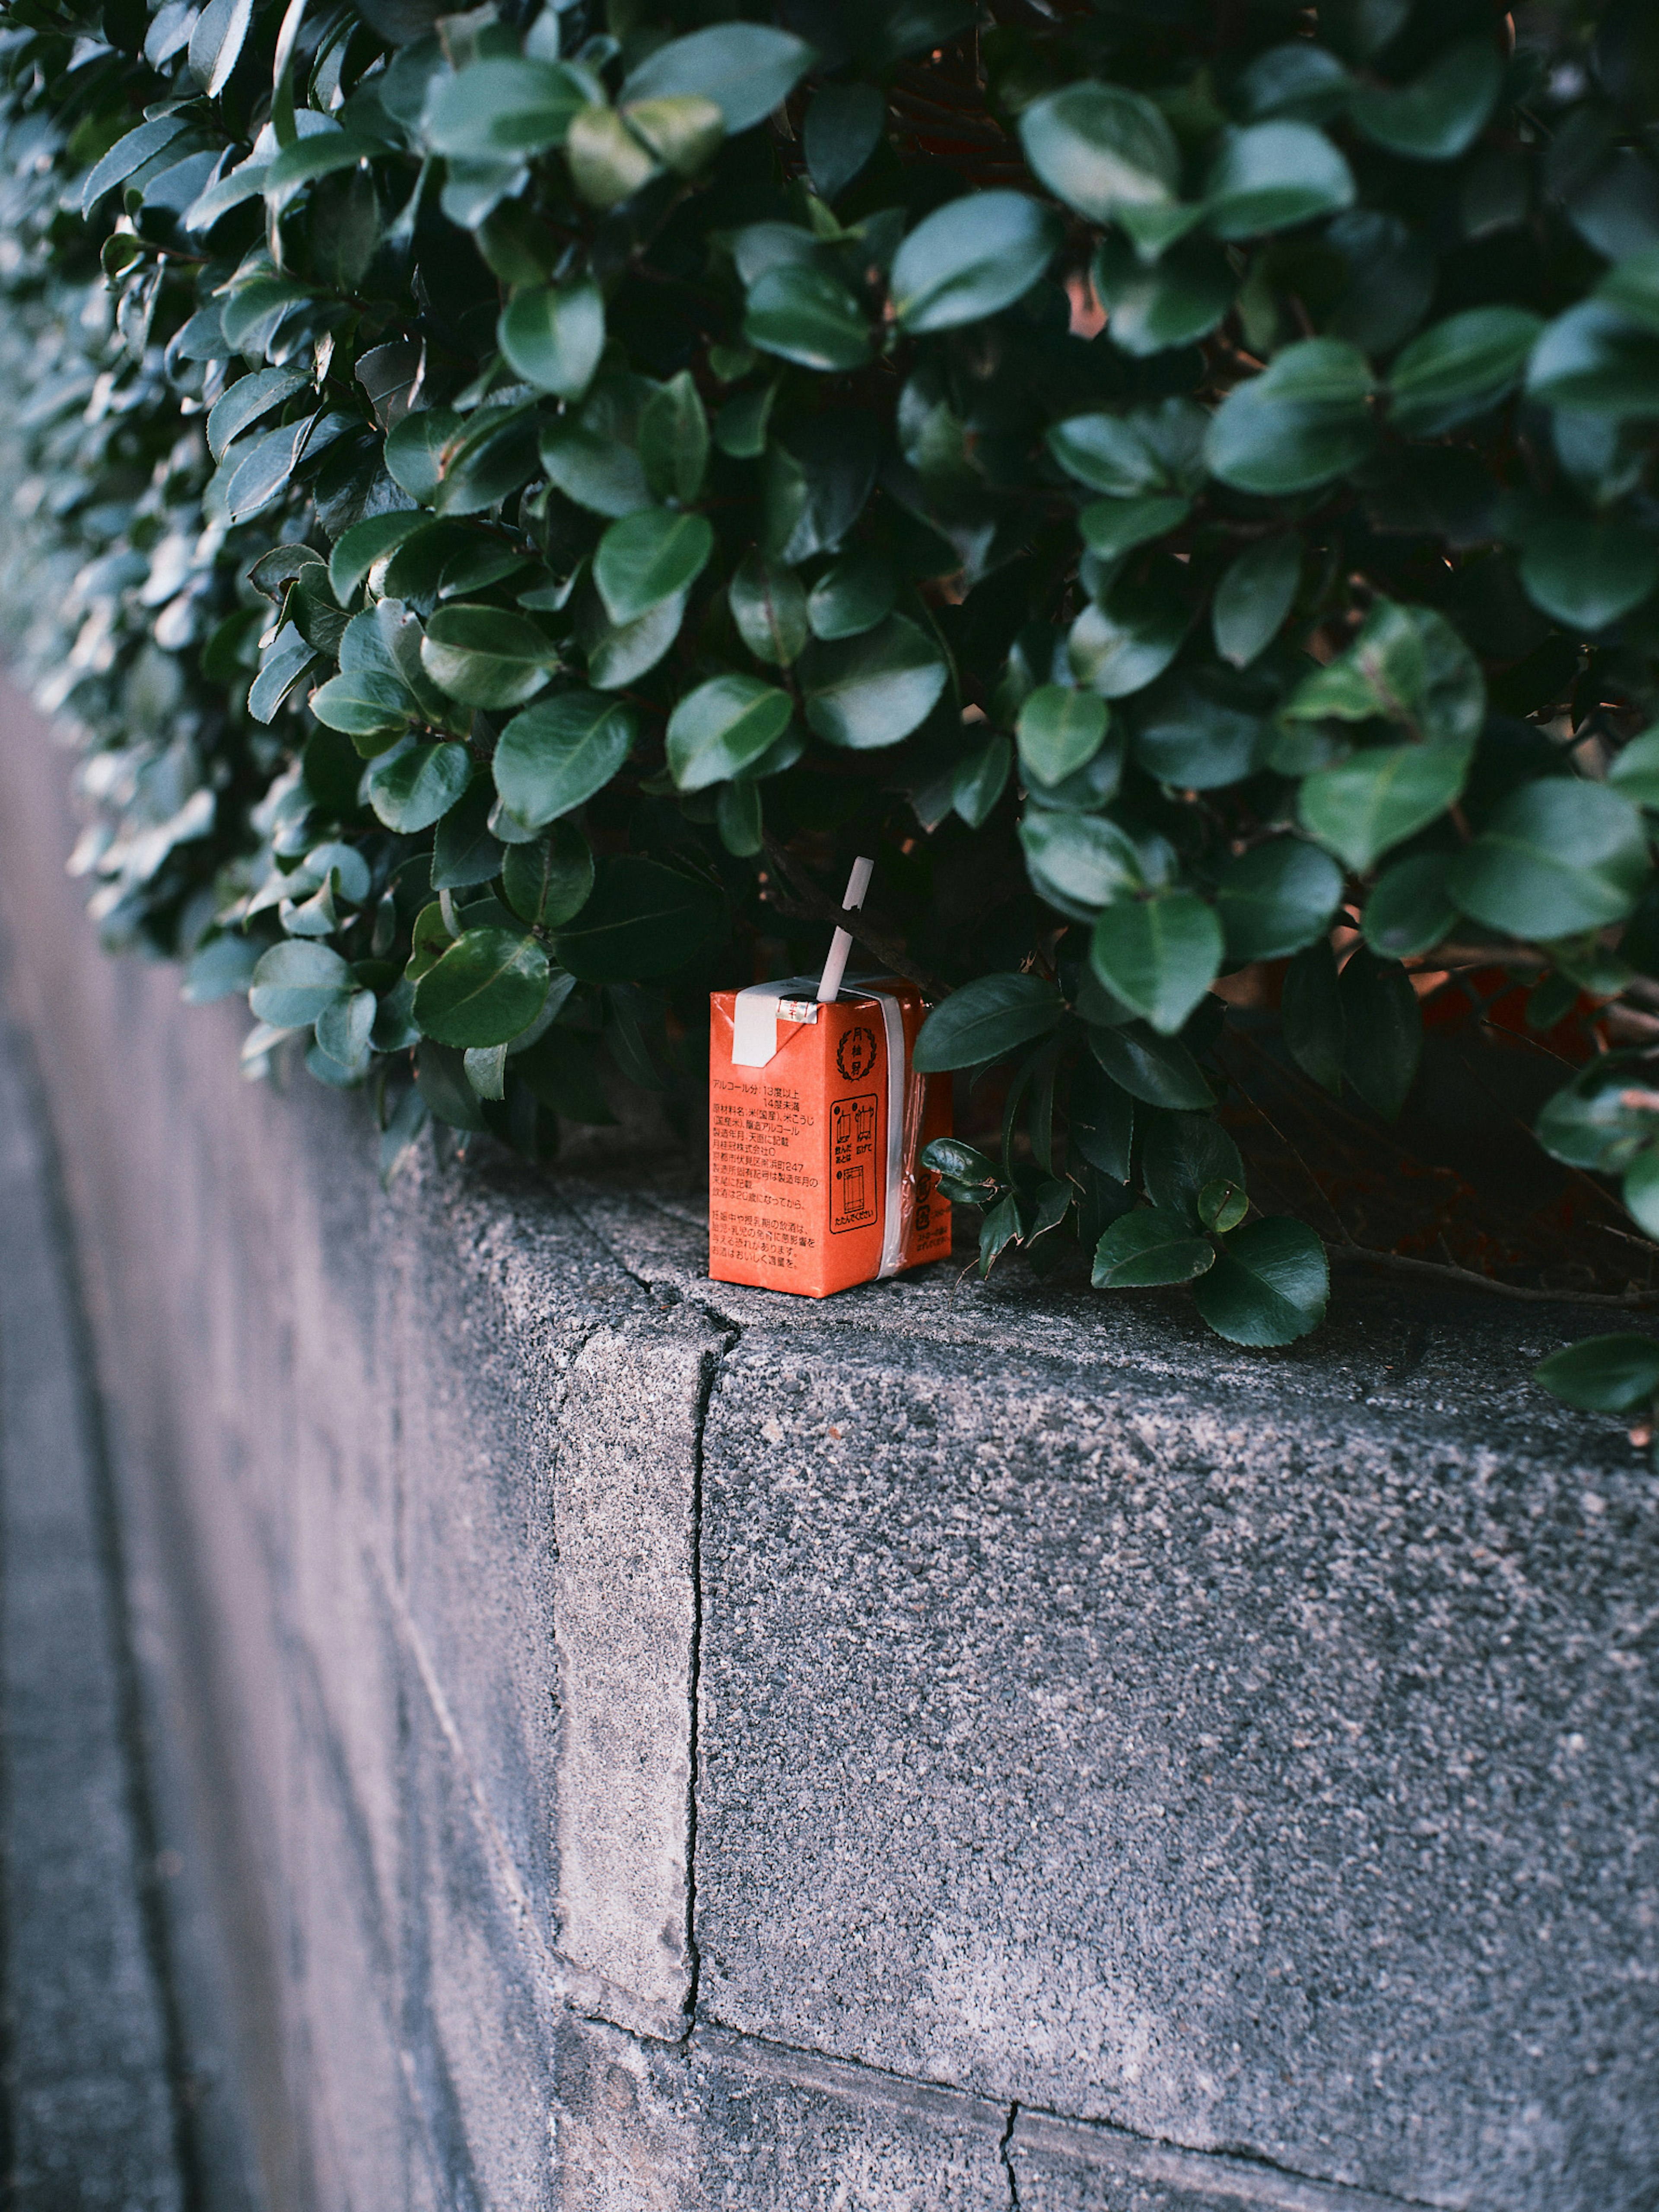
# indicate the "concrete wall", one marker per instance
pixel 657 1745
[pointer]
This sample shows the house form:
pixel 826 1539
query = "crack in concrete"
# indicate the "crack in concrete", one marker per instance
pixel 1006 2152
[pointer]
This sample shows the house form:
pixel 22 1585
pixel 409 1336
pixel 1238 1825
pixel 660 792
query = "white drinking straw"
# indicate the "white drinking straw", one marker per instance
pixel 841 944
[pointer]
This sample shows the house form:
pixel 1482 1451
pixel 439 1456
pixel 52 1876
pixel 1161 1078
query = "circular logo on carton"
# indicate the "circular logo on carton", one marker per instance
pixel 855 1055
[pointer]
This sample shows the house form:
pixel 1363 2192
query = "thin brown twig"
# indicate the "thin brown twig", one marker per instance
pixel 1396 1263
pixel 816 905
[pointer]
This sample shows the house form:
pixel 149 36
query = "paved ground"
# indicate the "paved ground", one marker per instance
pixel 92 2116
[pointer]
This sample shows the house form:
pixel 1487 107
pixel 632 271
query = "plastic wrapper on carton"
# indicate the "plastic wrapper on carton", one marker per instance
pixel 817 1125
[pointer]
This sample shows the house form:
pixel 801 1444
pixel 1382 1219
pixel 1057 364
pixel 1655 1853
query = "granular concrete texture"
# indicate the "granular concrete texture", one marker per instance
pixel 662 1744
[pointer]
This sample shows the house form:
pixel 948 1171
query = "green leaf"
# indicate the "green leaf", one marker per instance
pixel 806 314
pixel 1640 1190
pixel 1384 1026
pixel 1178 301
pixel 1441 112
pixel 553 336
pixel 746 69
pixel 1079 862
pixel 413 785
pixel 485 656
pixel 981 778
pixel 1460 367
pixel 853 594
pixel 1634 773
pixel 1200 731
pixel 216 43
pixel 128 155
pixel 618 653
pixel 723 727
pixel 985 1020
pixel 1555 857
pixel 608 164
pixel 1604 1373
pixel 1158 1071
pixel 440 1080
pixel 465 851
pixel 1594 361
pixel 495 458
pixel 843 128
pixel 1182 1155
pixel 1315 1026
pixel 769 605
pixel 1158 955
pixel 365 707
pixel 674 440
pixel 1121 647
pixel 1101 1118
pixel 487 987
pixel 1299 79
pixel 549 882
pixel 1303 420
pixel 1109 453
pixel 1589 572
pixel 297 981
pixel 1105 151
pixel 1255 596
pixel 870 690
pixel 1276 899
pixel 596 471
pixel 1380 797
pixel 502 106
pixel 309 160
pixel 414 449
pixel 1060 730
pixel 1113 527
pixel 642 920
pixel 648 557
pixel 1270 1286
pixel 684 130
pixel 1411 908
pixel 1149 1246
pixel 1408 665
pixel 358 548
pixel 971 258
pixel 1600 1119
pixel 1272 176
pixel 246 400
pixel 554 756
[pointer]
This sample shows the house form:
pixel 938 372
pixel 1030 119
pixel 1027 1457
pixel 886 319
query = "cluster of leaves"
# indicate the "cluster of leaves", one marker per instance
pixel 517 498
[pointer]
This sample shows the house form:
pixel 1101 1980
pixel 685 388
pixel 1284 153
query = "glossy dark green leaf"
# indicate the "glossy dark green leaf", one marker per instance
pixel 1303 420
pixel 746 69
pixel 1297 79
pixel 1157 1070
pixel 1106 151
pixel 971 258
pixel 598 471
pixel 1182 1155
pixel 1270 1286
pixel 1175 302
pixel 769 605
pixel 1273 175
pixel 648 557
pixel 1460 367
pixel 1384 1026
pixel 1441 112
pixel 843 128
pixel 505 106
pixel 1101 1118
pixel 296 982
pixel 412 786
pixel 414 448
pixel 494 458
pixel 620 653
pixel 985 1020
pixel 1159 955
pixel 723 727
pixel 216 42
pixel 1079 862
pixel 1600 1119
pixel 246 400
pixel 853 595
pixel 1200 730
pixel 806 314
pixel 982 777
pixel 1113 527
pixel 1276 899
pixel 674 440
pixel 1595 360
pixel 1378 798
pixel 1634 774
pixel 642 920
pixel 554 756
pixel 1061 730
pixel 553 335
pixel 1407 666
pixel 1605 1374
pixel 549 881
pixel 1555 857
pixel 1121 647
pixel 358 548
pixel 1590 573
pixel 365 707
pixel 1149 1246
pixel 486 656
pixel 1255 596
pixel 1316 1025
pixel 870 690
pixel 1411 908
pixel 128 154
pixel 487 987
pixel 465 852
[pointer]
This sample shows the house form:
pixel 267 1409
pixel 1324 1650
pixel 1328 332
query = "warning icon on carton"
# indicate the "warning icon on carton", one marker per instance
pixel 852 1180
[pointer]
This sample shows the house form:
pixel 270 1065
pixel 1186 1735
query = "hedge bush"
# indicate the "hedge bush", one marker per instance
pixel 514 501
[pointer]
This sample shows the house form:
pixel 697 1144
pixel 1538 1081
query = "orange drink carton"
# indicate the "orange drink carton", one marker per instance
pixel 817 1121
